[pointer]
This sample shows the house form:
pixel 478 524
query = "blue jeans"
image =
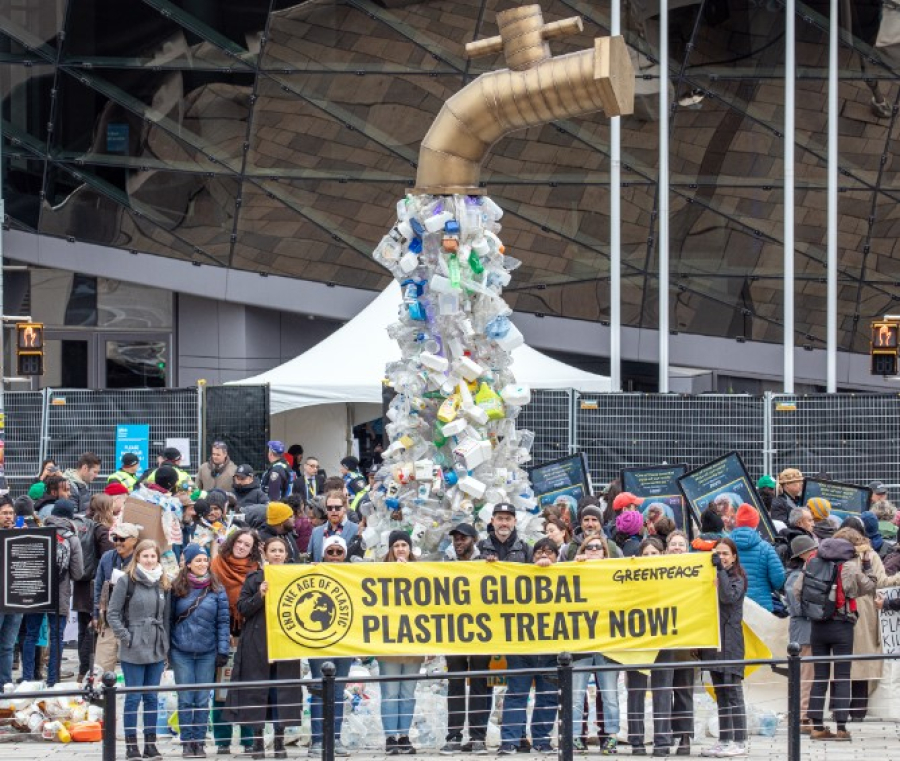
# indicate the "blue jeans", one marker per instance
pixel 514 706
pixel 607 687
pixel 398 699
pixel 342 668
pixel 193 705
pixel 56 627
pixel 142 675
pixel 9 632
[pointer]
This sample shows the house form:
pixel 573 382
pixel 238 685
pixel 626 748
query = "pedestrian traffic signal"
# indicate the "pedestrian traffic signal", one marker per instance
pixel 29 348
pixel 885 335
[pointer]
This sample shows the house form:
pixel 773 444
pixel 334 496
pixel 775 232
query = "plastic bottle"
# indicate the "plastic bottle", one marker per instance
pixel 455 276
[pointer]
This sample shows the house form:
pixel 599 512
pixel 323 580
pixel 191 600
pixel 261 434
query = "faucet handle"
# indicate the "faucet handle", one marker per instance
pixel 554 30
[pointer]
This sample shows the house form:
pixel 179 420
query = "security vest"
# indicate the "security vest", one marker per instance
pixel 128 480
pixel 360 496
pixel 183 478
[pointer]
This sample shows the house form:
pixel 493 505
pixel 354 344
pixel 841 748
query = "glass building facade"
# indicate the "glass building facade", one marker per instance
pixel 276 137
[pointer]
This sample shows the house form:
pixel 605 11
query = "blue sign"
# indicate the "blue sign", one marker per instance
pixel 117 138
pixel 133 439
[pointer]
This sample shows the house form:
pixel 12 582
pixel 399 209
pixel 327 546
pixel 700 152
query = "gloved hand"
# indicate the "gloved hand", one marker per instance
pixel 717 562
pixel 221 661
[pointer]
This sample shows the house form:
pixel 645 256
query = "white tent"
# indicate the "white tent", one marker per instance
pixel 317 397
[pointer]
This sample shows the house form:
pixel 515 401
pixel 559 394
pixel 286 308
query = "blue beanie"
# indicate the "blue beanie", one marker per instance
pixel 191 551
pixel 870 522
pixel 63 508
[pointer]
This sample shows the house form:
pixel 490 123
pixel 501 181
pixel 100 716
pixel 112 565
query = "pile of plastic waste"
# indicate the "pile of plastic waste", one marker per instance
pixel 51 717
pixel 454 448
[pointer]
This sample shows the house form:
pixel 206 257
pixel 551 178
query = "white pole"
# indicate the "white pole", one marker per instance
pixel 831 325
pixel 615 234
pixel 790 68
pixel 663 245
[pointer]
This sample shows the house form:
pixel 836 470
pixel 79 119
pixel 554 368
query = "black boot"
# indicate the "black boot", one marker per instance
pixel 151 752
pixel 259 747
pixel 278 749
pixel 132 751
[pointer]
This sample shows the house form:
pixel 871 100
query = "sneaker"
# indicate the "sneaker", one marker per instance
pixel 578 746
pixel 507 749
pixel 734 749
pixel 404 746
pixel 390 747
pixel 609 745
pixel 542 748
pixel 842 735
pixel 478 748
pixel 714 751
pixel 451 747
pixel 315 749
pixel 340 749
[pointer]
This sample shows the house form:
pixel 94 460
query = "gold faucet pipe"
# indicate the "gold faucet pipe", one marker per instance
pixel 500 102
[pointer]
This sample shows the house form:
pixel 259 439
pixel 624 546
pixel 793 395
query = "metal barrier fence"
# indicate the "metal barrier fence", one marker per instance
pixel 851 437
pixel 561 675
pixel 64 423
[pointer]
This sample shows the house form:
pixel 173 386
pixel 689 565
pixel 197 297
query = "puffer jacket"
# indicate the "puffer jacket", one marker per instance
pixel 142 629
pixel 207 628
pixel 252 494
pixel 765 573
pixel 513 550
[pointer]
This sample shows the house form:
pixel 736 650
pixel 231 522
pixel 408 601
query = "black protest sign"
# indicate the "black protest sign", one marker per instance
pixel 658 484
pixel 29 574
pixel 844 498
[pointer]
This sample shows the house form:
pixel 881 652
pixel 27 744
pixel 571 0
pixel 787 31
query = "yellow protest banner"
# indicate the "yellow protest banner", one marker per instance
pixel 359 609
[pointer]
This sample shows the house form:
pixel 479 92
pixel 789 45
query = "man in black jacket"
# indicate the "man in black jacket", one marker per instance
pixel 246 488
pixel 502 541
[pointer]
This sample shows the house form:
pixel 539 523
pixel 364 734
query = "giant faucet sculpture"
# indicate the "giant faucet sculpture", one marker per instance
pixel 455 451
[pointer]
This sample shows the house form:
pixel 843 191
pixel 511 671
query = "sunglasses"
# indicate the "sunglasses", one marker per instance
pixel 333 508
pixel 119 539
pixel 595 547
pixel 337 551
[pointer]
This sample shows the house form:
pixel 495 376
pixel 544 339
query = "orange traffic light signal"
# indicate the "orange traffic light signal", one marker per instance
pixel 29 348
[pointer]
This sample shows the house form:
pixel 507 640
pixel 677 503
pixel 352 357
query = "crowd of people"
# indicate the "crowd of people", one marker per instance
pixel 198 604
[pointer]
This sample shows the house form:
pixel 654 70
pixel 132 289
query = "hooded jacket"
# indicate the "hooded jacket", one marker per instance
pixel 765 573
pixel 80 491
pixel 858 579
pixel 64 527
pixel 513 550
pixel 251 494
pixel 142 629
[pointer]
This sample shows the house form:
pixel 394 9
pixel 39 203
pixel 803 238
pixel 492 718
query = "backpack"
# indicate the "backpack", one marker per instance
pixel 63 551
pixel 84 530
pixel 818 596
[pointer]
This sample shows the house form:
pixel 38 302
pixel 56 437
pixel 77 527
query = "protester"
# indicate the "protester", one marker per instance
pixel 594 548
pixel 161 492
pixel 502 542
pixel 802 549
pixel 543 716
pixel 559 533
pixel 280 523
pixel 766 487
pixel 334 550
pixel 218 471
pixel 118 493
pixel 303 526
pixel 48 468
pixel 661 528
pixel 80 479
pixel 200 633
pixel 92 530
pixel 731 586
pixel 113 562
pixel 279 478
pixel 246 488
pixel 682 678
pixel 873 534
pixel 239 556
pixel 126 474
pixel 25 517
pixel 253 707
pixel 476 703
pixel 10 623
pixel 629 524
pixel 338 524
pixel 70 565
pixel 759 561
pixel 834 635
pixel 139 615
pixel 623 502
pixel 712 529
pixel 398 699
pixel 800 523
pixel 820 509
pixel 660 683
pixel 879 492
pixel 885 511
pixel 790 487
pixel 55 487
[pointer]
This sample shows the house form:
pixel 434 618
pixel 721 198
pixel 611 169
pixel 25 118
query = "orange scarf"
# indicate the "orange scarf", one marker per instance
pixel 232 573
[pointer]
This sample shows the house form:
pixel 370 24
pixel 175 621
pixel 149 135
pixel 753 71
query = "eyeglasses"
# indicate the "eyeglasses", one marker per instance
pixel 544 551
pixel 333 508
pixel 595 547
pixel 337 551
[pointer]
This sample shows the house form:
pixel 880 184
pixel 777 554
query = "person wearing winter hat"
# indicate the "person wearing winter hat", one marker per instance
pixel 712 528
pixel 337 524
pixel 629 525
pixel 789 489
pixel 873 534
pixel 200 642
pixel 398 698
pixel 765 573
pixel 591 523
pixel 280 523
pixel 766 488
pixel 820 508
pixel 36 491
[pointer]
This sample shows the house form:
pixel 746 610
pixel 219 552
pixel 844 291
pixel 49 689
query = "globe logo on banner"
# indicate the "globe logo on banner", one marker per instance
pixel 315 611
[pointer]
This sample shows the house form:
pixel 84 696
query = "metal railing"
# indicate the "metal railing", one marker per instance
pixel 563 672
